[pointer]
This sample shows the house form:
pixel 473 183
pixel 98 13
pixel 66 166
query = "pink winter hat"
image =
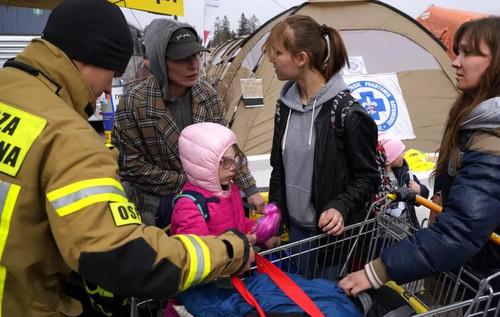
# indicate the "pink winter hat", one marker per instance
pixel 393 149
pixel 201 147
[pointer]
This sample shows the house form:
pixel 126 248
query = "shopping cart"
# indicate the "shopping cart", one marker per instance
pixel 452 293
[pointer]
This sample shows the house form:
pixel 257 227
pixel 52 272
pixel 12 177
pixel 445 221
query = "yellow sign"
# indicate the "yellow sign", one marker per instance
pixel 418 161
pixel 172 7
pixel 125 214
pixel 18 131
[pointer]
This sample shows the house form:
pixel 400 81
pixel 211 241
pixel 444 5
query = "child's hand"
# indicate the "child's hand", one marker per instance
pixel 272 242
pixel 251 238
pixel 414 186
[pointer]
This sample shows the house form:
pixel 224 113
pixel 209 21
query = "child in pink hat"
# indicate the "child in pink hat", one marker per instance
pixel 399 175
pixel 394 152
pixel 211 159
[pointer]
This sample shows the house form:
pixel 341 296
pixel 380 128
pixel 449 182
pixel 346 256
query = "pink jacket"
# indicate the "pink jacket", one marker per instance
pixel 201 147
pixel 226 214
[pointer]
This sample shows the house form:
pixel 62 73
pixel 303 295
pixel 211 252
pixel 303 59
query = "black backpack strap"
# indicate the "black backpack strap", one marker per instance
pixel 340 105
pixel 199 200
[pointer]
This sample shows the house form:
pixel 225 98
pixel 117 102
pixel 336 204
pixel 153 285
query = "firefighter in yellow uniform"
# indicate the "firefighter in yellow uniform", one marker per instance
pixel 62 207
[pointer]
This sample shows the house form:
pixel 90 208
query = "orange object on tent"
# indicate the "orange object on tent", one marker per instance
pixel 444 22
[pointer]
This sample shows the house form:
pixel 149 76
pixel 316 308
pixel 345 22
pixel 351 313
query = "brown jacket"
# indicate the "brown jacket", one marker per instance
pixel 62 207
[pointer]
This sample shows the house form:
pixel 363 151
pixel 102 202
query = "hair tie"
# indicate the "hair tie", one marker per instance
pixel 325 33
pixel 323 29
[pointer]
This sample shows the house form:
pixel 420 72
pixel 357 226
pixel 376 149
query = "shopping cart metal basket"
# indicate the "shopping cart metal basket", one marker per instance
pixel 452 293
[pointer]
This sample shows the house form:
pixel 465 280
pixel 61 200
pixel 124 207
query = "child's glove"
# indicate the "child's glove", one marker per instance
pixel 405 194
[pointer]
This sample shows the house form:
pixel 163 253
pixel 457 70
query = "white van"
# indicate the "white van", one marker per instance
pixel 11 45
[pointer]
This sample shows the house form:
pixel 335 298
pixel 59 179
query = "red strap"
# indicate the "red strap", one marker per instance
pixel 288 286
pixel 242 289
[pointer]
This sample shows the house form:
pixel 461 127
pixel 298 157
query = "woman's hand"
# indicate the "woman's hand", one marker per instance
pixel 331 222
pixel 355 283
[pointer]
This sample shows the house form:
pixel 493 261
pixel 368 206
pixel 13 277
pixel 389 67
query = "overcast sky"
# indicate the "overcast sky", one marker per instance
pixel 266 9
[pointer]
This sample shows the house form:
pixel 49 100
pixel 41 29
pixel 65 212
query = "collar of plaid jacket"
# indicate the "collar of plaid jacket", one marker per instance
pixel 205 101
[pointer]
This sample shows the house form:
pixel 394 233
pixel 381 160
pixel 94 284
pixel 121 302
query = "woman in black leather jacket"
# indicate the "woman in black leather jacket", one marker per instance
pixel 323 155
pixel 319 180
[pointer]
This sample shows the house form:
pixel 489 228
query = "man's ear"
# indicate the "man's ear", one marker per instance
pixel 302 59
pixel 79 65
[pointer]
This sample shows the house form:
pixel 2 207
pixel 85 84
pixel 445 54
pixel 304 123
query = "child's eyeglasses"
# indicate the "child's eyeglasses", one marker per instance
pixel 227 162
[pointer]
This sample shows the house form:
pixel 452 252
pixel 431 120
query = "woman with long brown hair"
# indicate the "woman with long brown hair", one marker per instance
pixel 468 174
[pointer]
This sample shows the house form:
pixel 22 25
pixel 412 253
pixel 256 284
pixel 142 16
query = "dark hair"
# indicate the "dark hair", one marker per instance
pixel 485 30
pixel 301 33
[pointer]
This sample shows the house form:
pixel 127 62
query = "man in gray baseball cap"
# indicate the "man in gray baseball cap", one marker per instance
pixel 154 111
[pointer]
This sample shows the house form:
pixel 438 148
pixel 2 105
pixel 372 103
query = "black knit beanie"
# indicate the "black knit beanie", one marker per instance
pixel 91 31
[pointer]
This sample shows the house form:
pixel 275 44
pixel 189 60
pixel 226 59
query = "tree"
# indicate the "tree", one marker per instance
pixel 247 26
pixel 222 31
pixel 243 26
pixel 253 23
pixel 216 38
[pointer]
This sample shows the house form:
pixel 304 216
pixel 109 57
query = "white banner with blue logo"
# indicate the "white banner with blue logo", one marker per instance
pixel 381 96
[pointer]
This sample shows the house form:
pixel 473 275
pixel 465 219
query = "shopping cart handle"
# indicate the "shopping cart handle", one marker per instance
pixel 429 204
pixel 495 237
pixel 399 195
pixel 407 195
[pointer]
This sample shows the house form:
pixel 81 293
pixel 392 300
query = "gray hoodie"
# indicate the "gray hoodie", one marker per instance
pixel 485 116
pixel 156 37
pixel 298 147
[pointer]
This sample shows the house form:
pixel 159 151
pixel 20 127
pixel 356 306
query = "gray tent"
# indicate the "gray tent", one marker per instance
pixel 388 41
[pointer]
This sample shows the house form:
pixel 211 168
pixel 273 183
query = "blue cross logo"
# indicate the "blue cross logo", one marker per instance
pixel 384 109
pixel 372 105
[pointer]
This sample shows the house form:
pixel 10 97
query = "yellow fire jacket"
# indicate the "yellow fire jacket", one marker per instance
pixel 62 207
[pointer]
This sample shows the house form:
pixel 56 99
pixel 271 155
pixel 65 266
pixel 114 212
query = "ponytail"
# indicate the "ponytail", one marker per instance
pixel 335 54
pixel 323 44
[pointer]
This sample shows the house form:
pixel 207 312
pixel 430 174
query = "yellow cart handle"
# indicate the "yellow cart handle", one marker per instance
pixel 413 301
pixel 495 237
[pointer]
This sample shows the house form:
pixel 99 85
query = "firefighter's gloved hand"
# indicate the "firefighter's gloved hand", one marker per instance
pixel 405 194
